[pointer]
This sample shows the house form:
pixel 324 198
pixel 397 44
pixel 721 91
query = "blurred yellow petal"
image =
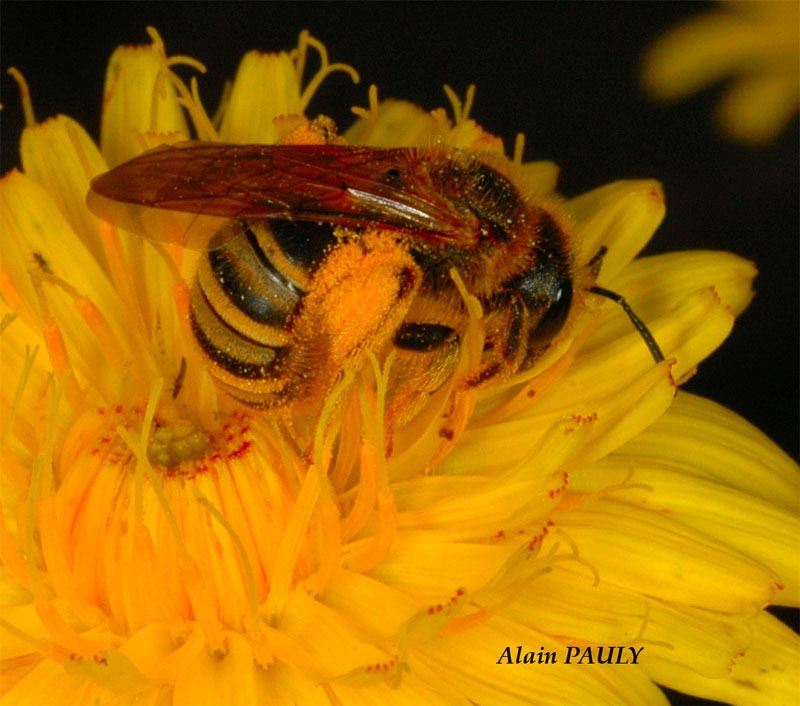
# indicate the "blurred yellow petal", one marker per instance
pixel 757 42
pixel 697 53
pixel 756 109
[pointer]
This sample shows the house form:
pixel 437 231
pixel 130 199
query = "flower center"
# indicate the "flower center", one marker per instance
pixel 175 443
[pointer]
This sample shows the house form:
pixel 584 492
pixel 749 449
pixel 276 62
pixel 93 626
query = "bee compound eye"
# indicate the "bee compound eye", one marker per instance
pixel 553 319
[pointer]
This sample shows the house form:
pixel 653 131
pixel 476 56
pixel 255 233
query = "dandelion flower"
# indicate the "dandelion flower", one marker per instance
pixel 162 544
pixel 757 43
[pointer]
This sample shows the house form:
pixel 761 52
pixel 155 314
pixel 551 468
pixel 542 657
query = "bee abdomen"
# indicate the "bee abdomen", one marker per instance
pixel 242 304
pixel 228 349
pixel 241 271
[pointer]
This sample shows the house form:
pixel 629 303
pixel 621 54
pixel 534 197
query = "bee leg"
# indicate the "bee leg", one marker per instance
pixel 596 262
pixel 503 350
pixel 357 300
pixel 425 357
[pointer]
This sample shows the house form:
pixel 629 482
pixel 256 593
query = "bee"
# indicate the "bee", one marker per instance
pixel 324 252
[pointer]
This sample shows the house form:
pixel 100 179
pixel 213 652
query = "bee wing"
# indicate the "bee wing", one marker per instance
pixel 350 186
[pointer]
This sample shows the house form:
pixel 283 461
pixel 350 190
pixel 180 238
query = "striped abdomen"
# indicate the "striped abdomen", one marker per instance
pixel 245 295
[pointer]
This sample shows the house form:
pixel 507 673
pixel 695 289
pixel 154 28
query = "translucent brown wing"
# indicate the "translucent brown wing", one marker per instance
pixel 344 185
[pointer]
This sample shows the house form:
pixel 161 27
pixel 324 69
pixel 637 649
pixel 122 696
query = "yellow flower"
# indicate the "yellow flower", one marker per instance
pixel 161 544
pixel 759 42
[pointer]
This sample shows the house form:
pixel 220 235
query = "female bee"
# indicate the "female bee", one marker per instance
pixel 327 251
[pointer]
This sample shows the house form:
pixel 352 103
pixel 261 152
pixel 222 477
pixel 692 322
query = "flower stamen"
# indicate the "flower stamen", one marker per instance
pixel 222 106
pixel 291 545
pixel 92 316
pixel 24 96
pixel 59 359
pixel 371 111
pixel 381 387
pixel 120 277
pixel 12 297
pixel 519 148
pixel 460 110
pixel 366 492
pixel 575 556
pixel 378 545
pixel 188 98
pixel 250 580
pixel 329 541
pixel 305 41
pixel 22 383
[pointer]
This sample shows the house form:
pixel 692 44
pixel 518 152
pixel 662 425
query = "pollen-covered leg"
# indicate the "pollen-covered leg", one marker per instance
pixel 358 299
pixel 425 358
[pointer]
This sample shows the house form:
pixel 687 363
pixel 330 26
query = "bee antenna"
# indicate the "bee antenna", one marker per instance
pixel 638 324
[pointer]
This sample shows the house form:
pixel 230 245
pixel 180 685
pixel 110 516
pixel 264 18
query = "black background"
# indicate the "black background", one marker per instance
pixel 563 73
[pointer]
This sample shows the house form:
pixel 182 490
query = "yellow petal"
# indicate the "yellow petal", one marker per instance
pixel 432 571
pixel 138 97
pixel 394 123
pixel 622 216
pixel 372 606
pixel 470 663
pixel 765 675
pixel 689 333
pixel 686 327
pixel 659 282
pixel 37 232
pixel 664 559
pixel 749 525
pixel 756 109
pixel 48 684
pixel 568 605
pixel 539 177
pixel 266 86
pixel 159 655
pixel 224 678
pixel 114 671
pixel 326 638
pixel 701 437
pixel 612 414
pixel 63 159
